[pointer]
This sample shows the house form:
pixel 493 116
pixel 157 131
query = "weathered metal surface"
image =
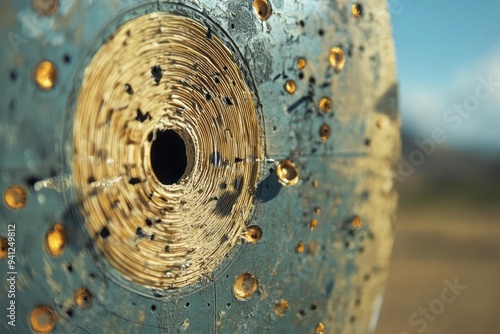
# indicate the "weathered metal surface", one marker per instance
pixel 322 82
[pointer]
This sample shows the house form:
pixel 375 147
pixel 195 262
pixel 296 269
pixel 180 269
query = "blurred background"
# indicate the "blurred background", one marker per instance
pixel 448 229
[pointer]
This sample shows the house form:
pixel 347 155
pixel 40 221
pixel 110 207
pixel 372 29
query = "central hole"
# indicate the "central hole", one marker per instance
pixel 168 157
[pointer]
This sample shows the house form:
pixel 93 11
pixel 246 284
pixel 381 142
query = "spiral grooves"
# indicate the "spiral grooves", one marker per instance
pixel 163 72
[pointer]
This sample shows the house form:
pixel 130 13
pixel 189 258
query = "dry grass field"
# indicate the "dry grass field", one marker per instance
pixel 448 228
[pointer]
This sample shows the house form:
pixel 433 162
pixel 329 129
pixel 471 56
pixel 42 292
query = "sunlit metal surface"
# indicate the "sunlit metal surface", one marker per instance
pixel 197 167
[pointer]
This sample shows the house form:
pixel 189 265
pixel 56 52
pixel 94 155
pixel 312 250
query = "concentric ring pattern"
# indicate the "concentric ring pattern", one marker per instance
pixel 164 72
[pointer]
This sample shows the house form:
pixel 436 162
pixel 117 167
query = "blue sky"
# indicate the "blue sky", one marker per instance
pixel 442 46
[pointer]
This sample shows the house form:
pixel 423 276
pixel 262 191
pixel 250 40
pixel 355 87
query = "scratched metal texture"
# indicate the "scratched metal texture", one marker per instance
pixel 338 279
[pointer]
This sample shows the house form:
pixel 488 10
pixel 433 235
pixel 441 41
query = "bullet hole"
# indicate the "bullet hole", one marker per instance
pixel 168 157
pixel 290 86
pixel 187 304
pixel 287 172
pixel 262 9
pixel 134 180
pixel 351 225
pixel 149 223
pixel 228 101
pixel 45 75
pixel 245 286
pixel 368 142
pixel 313 223
pixel 300 248
pixel 302 313
pixel 66 58
pixel 69 267
pixel 128 33
pixel 92 275
pixel 232 25
pixel 314 307
pixel 167 250
pixel 357 10
pixel 128 89
pixel 43 319
pixel 301 63
pixel 140 233
pixel 13 75
pixel 325 104
pixel 225 68
pixel 208 304
pixel 209 33
pixel 302 23
pixel 281 307
pixel 69 313
pixel 90 180
pixel 301 75
pixel 208 96
pixel 337 59
pixel 324 132
pixel 83 298
pixel 104 232
pixel 236 160
pixel 157 73
pixel 312 80
pixel 56 240
pixel 153 308
pixel 142 117
pixel 275 128
pixel 252 234
pixel 223 185
pixel 321 32
pixel 217 80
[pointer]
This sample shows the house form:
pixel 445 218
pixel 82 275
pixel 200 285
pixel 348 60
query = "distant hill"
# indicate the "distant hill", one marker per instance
pixel 451 174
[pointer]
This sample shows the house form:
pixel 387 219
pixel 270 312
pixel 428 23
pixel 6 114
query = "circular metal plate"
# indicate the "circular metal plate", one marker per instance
pixel 160 73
